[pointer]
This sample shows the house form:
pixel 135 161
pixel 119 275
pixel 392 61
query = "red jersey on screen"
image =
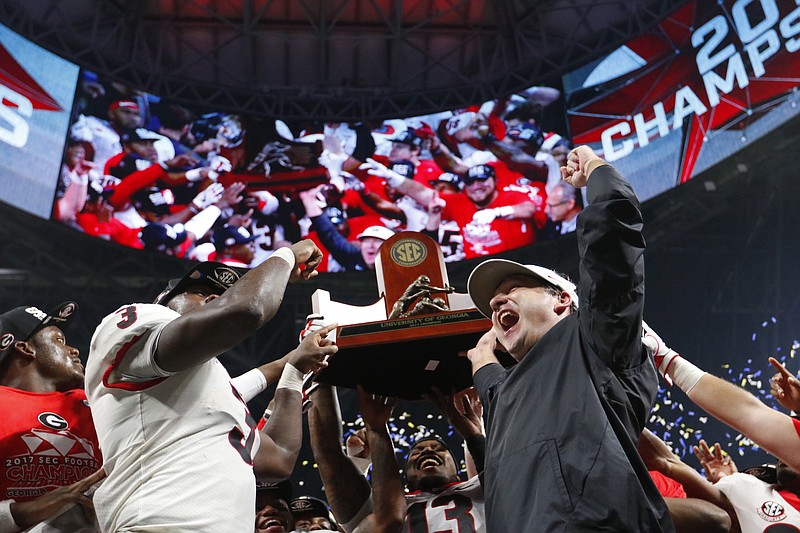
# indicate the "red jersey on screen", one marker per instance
pixel 112 229
pixel 352 201
pixel 496 237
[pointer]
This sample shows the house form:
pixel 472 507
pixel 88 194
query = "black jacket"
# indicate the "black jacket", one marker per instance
pixel 563 424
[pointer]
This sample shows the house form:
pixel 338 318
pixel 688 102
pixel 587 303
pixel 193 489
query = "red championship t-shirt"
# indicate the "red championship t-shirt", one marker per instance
pixel 496 237
pixel 48 441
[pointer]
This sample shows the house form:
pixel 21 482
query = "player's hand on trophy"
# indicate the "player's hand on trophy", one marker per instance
pixel 375 409
pixel 307 259
pixel 311 355
pixel 357 449
pixel 218 165
pixel 332 161
pixel 314 322
pixel 463 410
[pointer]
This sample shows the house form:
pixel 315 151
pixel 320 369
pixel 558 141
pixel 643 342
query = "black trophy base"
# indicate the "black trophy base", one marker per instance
pixel 405 358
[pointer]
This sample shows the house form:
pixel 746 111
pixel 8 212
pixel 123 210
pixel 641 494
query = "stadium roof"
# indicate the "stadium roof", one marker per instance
pixel 333 59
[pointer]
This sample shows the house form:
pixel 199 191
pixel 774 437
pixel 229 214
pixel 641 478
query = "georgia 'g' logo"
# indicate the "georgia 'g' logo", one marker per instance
pixel 66 311
pixel 408 252
pixel 6 341
pixel 53 421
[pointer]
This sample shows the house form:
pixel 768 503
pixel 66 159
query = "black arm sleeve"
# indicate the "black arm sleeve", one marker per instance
pixel 476 445
pixel 611 248
pixel 486 381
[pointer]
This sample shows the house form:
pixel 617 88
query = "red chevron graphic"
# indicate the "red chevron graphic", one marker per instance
pixel 14 76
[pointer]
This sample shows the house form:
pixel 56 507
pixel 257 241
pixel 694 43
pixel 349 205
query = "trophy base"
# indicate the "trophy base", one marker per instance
pixel 405 357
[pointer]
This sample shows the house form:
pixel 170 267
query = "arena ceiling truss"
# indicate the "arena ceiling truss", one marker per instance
pixel 333 59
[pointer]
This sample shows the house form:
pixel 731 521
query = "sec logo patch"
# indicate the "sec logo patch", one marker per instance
pixel 408 252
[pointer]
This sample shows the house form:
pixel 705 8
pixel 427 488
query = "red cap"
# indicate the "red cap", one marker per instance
pixel 127 104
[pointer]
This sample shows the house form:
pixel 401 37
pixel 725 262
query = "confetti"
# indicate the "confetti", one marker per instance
pixel 681 427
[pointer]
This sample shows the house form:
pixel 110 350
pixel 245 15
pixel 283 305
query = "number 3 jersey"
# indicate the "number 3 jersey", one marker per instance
pixel 458 508
pixel 178 450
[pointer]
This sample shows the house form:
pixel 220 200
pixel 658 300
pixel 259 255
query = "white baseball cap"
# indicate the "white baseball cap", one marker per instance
pixel 487 276
pixel 379 232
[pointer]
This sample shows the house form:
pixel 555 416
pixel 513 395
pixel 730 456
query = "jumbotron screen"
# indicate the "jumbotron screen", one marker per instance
pixel 708 80
pixel 36 92
pixel 173 178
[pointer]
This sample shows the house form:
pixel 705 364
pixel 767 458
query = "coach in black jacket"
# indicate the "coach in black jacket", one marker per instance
pixel 563 423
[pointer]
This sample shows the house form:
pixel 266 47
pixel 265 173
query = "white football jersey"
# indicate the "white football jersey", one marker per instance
pixel 759 506
pixel 456 509
pixel 178 450
pixel 98 132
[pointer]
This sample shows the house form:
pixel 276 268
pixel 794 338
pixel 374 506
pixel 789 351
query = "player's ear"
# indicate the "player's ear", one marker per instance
pixel 25 349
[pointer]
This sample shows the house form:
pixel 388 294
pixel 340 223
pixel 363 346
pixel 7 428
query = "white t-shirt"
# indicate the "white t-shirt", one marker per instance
pixel 759 506
pixel 178 449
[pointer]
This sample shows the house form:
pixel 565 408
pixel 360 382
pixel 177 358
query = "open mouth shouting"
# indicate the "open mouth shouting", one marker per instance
pixel 507 319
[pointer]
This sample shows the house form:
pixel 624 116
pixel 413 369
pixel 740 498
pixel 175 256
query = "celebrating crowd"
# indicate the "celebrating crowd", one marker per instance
pixel 154 434
pixel 157 176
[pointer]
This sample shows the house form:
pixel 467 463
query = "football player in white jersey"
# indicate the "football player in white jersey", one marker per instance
pixel 437 500
pixel 175 434
pixel 762 507
pixel 753 505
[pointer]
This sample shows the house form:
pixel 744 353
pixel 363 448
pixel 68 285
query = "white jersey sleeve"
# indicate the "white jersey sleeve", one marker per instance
pixel 128 339
pixel 759 507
